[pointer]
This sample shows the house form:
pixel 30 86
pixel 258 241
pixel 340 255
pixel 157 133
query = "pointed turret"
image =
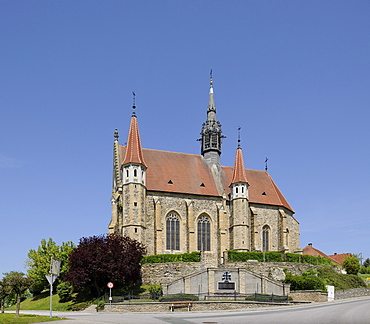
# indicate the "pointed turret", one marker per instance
pixel 211 131
pixel 240 220
pixel 239 174
pixel 117 179
pixel 134 184
pixel 134 151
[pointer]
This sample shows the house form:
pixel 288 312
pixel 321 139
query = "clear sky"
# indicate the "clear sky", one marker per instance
pixel 294 75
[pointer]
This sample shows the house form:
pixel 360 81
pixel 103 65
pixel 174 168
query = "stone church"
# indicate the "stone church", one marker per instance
pixel 179 202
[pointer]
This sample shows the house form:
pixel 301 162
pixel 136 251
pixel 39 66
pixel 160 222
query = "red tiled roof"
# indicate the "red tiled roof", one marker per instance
pixel 239 170
pixel 340 257
pixel 310 250
pixel 134 152
pixel 189 174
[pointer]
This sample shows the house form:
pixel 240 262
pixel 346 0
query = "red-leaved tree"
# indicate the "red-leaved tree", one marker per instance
pixel 98 260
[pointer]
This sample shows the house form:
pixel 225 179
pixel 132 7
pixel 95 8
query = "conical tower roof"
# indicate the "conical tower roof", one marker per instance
pixel 239 174
pixel 134 151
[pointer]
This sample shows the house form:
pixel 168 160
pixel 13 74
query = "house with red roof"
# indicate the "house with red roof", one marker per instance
pixel 180 202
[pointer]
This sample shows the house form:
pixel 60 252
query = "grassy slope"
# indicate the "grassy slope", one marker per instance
pixel 364 276
pixel 42 302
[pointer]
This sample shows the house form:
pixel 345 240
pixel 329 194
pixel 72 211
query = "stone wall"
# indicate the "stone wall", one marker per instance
pixel 350 293
pixel 274 270
pixel 156 273
pixel 309 296
pixel 196 306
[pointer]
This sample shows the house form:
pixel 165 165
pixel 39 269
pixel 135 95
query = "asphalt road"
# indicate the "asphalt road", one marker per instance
pixel 355 310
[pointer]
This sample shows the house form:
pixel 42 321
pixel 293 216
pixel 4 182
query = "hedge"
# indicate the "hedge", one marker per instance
pixel 178 297
pixel 235 256
pixel 165 258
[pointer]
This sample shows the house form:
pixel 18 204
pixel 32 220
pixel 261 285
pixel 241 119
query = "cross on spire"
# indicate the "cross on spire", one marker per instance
pixel 133 103
pixel 239 128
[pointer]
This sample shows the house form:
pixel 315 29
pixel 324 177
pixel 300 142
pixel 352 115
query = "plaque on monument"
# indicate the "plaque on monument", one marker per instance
pixel 226 285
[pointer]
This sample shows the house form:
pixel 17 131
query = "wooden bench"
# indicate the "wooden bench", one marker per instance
pixel 187 304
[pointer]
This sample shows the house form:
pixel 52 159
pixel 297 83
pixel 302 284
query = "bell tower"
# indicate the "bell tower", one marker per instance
pixel 133 175
pixel 211 132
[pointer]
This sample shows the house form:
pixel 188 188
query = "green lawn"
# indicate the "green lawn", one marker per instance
pixel 25 319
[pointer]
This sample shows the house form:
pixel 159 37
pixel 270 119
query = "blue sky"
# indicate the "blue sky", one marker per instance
pixel 294 75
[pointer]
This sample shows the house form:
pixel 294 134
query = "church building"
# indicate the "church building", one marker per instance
pixel 179 202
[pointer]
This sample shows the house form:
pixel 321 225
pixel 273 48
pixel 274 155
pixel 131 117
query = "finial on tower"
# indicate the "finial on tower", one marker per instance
pixel 116 136
pixel 239 128
pixel 133 103
pixel 266 164
pixel 210 79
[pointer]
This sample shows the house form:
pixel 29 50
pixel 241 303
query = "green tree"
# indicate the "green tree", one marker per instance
pixel 4 292
pixel 367 263
pixel 351 264
pixel 18 284
pixel 64 291
pixel 39 262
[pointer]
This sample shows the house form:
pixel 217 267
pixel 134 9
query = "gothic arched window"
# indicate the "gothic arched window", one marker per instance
pixel 204 233
pixel 265 238
pixel 172 232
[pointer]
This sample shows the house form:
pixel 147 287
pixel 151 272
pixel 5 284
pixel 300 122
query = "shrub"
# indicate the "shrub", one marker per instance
pixel 80 306
pixel 155 291
pixel 165 258
pixel 339 280
pixel 308 282
pixel 178 297
pixel 100 304
pixel 235 256
pixel 64 291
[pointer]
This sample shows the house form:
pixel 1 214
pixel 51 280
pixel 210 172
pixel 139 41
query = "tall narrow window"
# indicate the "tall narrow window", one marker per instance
pixel 265 238
pixel 204 234
pixel 172 232
pixel 287 238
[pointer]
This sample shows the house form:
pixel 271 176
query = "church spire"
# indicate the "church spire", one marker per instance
pixel 239 175
pixel 211 131
pixel 211 110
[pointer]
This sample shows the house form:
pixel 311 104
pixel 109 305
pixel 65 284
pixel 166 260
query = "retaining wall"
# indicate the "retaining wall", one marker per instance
pixel 197 306
pixel 358 292
pixel 157 273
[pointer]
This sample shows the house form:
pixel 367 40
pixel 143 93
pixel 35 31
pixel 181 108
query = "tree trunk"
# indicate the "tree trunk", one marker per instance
pixel 97 287
pixel 2 305
pixel 18 305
